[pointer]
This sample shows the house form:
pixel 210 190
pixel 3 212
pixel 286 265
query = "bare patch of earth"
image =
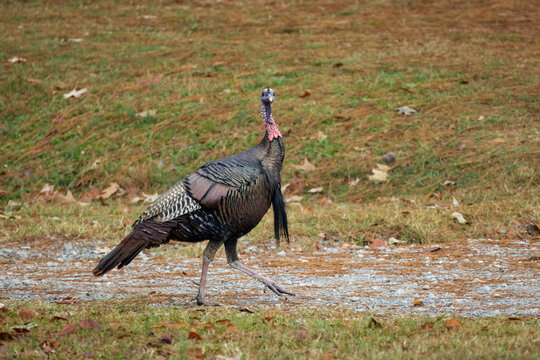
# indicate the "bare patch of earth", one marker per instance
pixel 475 277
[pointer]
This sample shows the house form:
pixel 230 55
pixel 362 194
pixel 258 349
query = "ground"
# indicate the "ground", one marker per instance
pixel 447 235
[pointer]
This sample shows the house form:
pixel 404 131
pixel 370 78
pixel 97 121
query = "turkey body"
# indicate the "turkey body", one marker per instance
pixel 220 202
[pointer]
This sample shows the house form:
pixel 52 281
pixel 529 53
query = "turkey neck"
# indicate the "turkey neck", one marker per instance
pixel 271 144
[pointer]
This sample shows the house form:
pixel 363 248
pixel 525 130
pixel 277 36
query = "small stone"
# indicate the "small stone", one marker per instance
pixel 425 287
pixel 68 247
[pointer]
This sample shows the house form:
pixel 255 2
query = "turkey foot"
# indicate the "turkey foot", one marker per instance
pixel 276 289
pixel 202 302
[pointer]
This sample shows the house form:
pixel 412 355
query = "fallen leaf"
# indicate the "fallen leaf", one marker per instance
pixel 75 93
pixel 147 113
pixel 376 242
pixel 405 110
pixel 109 191
pixel 16 59
pixel 150 198
pixel 427 325
pixel 315 190
pixel 58 318
pixel 47 189
pixel 380 173
pixel 319 135
pixel 89 195
pixel 194 335
pixel 452 324
pixel 66 199
pixel 5 336
pixel 27 314
pixel 68 329
pixel 417 302
pixel 294 198
pixel 354 182
pixel 460 219
pixel 89 324
pixel 449 183
pixel 306 94
pixel 48 345
pixel 305 166
pixel 455 203
pixel 24 328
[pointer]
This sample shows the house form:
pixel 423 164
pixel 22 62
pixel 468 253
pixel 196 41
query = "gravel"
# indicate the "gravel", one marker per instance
pixel 477 277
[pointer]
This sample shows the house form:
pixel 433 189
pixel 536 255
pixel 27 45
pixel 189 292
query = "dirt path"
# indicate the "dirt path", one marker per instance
pixel 472 278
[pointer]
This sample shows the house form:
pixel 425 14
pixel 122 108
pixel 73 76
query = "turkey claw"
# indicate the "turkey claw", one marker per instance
pixel 202 302
pixel 277 289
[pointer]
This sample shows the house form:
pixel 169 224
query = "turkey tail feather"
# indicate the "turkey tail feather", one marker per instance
pixel 280 216
pixel 122 254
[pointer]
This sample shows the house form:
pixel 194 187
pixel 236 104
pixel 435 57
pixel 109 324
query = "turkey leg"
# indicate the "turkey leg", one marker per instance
pixel 208 257
pixel 232 259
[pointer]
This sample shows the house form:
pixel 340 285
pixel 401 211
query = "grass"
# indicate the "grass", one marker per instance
pixel 469 68
pixel 138 331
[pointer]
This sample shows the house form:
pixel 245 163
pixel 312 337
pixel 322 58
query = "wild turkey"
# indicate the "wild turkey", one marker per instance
pixel 220 202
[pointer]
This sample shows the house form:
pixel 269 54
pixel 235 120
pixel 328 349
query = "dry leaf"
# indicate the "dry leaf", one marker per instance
pixel 294 198
pixel 109 191
pixel 376 242
pixel 306 94
pixel 417 302
pixel 90 195
pixel 5 336
pixel 460 219
pixel 452 324
pixel 405 110
pixel 68 329
pixel 427 325
pixel 27 314
pixel 75 93
pixel 449 183
pixel 315 190
pixel 319 135
pixel 194 335
pixel 47 189
pixel 15 60
pixel 147 113
pixel 305 166
pixel 66 199
pixel 150 198
pixel 380 173
pixel 354 182
pixel 455 203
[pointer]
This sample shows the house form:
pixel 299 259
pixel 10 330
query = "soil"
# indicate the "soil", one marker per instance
pixel 474 277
